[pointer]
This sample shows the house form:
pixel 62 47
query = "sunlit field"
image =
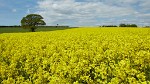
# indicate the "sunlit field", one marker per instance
pixel 76 56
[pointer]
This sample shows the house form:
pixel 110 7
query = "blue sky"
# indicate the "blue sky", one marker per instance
pixel 77 12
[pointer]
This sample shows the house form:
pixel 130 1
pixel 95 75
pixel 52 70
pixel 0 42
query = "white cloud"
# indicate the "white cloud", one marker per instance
pixel 14 10
pixel 87 12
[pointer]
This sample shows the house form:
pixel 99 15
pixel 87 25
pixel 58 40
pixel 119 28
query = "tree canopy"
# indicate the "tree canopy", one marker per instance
pixel 127 25
pixel 32 21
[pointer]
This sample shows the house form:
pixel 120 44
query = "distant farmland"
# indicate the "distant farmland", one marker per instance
pixel 19 29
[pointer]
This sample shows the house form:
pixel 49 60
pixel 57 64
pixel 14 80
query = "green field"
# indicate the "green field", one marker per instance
pixel 17 29
pixel 76 56
pixel 40 29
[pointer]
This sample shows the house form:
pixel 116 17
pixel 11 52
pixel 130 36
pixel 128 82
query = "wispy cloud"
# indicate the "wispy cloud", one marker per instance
pixel 14 10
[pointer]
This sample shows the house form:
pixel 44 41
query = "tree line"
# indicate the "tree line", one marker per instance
pixel 10 26
pixel 120 25
pixel 127 25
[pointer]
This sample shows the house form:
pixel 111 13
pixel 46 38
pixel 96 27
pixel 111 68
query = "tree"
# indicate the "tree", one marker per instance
pixel 122 25
pixel 32 21
pixel 128 25
pixel 57 25
pixel 133 25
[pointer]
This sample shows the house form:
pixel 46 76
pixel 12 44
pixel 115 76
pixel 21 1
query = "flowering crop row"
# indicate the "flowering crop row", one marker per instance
pixel 76 56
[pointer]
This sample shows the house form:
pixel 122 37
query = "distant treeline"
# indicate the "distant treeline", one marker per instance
pixel 38 26
pixel 147 26
pixel 128 25
pixel 109 26
pixel 54 26
pixel 120 25
pixel 9 26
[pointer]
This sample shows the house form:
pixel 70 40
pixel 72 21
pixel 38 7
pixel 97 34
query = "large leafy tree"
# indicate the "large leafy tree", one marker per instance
pixel 32 21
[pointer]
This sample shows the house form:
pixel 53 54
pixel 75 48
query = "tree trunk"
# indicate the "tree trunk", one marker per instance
pixel 33 29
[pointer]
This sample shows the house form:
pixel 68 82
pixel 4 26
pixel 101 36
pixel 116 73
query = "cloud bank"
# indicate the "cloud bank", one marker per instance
pixel 94 12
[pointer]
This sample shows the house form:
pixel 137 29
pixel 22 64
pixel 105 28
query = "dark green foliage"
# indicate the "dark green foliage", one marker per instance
pixel 32 21
pixel 122 25
pixel 109 26
pixel 127 25
pixel 147 26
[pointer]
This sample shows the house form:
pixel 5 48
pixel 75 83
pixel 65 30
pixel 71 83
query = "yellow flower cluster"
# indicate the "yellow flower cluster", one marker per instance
pixel 76 56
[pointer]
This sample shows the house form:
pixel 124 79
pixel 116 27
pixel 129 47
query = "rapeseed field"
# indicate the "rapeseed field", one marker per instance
pixel 76 56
